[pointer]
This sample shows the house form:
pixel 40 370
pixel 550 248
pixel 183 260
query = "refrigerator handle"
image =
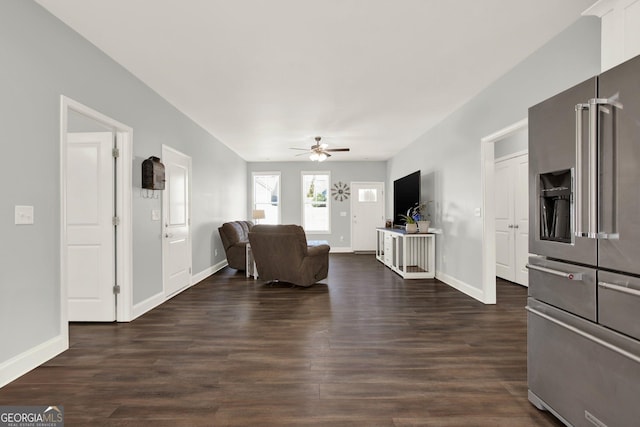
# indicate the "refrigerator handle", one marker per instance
pixel 564 274
pixel 577 179
pixel 594 142
pixel 596 228
pixel 584 334
pixel 621 289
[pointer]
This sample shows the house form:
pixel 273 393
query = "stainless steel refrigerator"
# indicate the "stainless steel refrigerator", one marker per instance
pixel 584 279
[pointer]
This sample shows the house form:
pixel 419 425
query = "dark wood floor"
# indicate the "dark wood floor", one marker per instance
pixel 365 349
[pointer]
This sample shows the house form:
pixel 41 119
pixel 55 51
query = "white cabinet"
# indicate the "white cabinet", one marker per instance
pixel 412 256
pixel 620 30
pixel 512 219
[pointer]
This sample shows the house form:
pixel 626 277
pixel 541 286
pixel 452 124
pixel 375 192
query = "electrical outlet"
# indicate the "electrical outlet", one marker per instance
pixel 342 238
pixel 215 252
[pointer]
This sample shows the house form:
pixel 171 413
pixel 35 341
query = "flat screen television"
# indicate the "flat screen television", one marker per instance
pixel 406 193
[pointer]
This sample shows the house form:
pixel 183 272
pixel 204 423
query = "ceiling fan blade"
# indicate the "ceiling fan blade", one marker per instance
pixel 303 149
pixel 337 149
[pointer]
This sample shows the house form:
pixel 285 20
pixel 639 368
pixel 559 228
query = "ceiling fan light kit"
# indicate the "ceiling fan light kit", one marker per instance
pixel 320 152
pixel 318 157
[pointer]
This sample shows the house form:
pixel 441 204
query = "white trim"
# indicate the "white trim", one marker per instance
pixel 199 277
pixel 341 250
pixel 124 138
pixel 487 167
pixel 125 213
pixel 32 358
pixel 159 298
pixel 463 287
pixel 600 8
pixel 302 204
pixel 253 192
pixel 148 304
pixel 512 156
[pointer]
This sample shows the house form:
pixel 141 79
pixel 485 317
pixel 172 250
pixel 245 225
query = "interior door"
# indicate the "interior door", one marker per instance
pixel 90 233
pixel 521 219
pixel 367 214
pixel 176 248
pixel 512 219
pixel 504 213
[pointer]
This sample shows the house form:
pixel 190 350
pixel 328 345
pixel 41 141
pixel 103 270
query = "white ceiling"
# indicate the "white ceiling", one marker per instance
pixel 266 75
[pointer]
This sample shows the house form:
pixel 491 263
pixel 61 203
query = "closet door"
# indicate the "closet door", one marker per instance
pixel 521 219
pixel 504 210
pixel 512 219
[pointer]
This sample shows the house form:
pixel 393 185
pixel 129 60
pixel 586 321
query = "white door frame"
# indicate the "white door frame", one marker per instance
pixel 488 160
pixel 353 198
pixel 124 246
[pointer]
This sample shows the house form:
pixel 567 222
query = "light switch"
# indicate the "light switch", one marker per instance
pixel 343 213
pixel 24 215
pixel 477 212
pixel 155 215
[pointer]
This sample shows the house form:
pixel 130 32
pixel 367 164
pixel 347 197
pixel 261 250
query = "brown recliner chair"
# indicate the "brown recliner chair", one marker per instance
pixel 235 236
pixel 281 253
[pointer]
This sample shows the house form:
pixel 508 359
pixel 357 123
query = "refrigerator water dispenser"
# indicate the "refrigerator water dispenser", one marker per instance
pixel 555 206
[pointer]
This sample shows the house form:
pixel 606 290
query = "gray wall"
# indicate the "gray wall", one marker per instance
pixel 449 153
pixel 291 191
pixel 41 60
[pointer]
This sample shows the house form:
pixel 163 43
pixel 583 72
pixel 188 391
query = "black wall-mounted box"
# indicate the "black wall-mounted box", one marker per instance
pixel 153 174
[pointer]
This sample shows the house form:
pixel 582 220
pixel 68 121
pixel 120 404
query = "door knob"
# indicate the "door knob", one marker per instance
pixel 167 235
pixel 510 225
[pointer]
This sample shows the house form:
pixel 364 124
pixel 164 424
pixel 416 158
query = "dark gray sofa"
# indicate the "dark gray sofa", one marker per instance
pixel 235 236
pixel 281 253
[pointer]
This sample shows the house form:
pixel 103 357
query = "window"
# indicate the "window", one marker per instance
pixel 367 195
pixel 316 203
pixel 266 196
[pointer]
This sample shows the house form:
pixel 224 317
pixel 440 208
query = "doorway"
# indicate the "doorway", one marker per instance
pixel 367 214
pixel 95 225
pixel 487 154
pixel 512 216
pixel 176 220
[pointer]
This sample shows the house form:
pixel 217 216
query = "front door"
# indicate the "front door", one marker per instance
pixel 89 211
pixel 367 214
pixel 176 248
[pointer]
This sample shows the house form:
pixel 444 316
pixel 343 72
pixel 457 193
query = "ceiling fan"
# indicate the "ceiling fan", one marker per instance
pixel 319 152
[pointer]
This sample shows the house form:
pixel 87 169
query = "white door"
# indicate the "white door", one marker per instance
pixel 90 233
pixel 512 219
pixel 505 256
pixel 367 214
pixel 176 248
pixel 521 223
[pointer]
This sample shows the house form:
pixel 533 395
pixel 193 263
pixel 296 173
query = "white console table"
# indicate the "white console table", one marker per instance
pixel 411 255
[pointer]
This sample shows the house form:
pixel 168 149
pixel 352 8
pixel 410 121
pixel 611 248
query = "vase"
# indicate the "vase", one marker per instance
pixel 411 228
pixel 423 226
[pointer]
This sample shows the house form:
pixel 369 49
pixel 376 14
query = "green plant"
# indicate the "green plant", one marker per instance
pixel 408 219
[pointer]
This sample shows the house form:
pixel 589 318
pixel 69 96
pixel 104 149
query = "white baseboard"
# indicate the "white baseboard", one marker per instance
pixel 31 359
pixel 341 250
pixel 199 277
pixel 463 287
pixel 148 305
pixel 159 298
